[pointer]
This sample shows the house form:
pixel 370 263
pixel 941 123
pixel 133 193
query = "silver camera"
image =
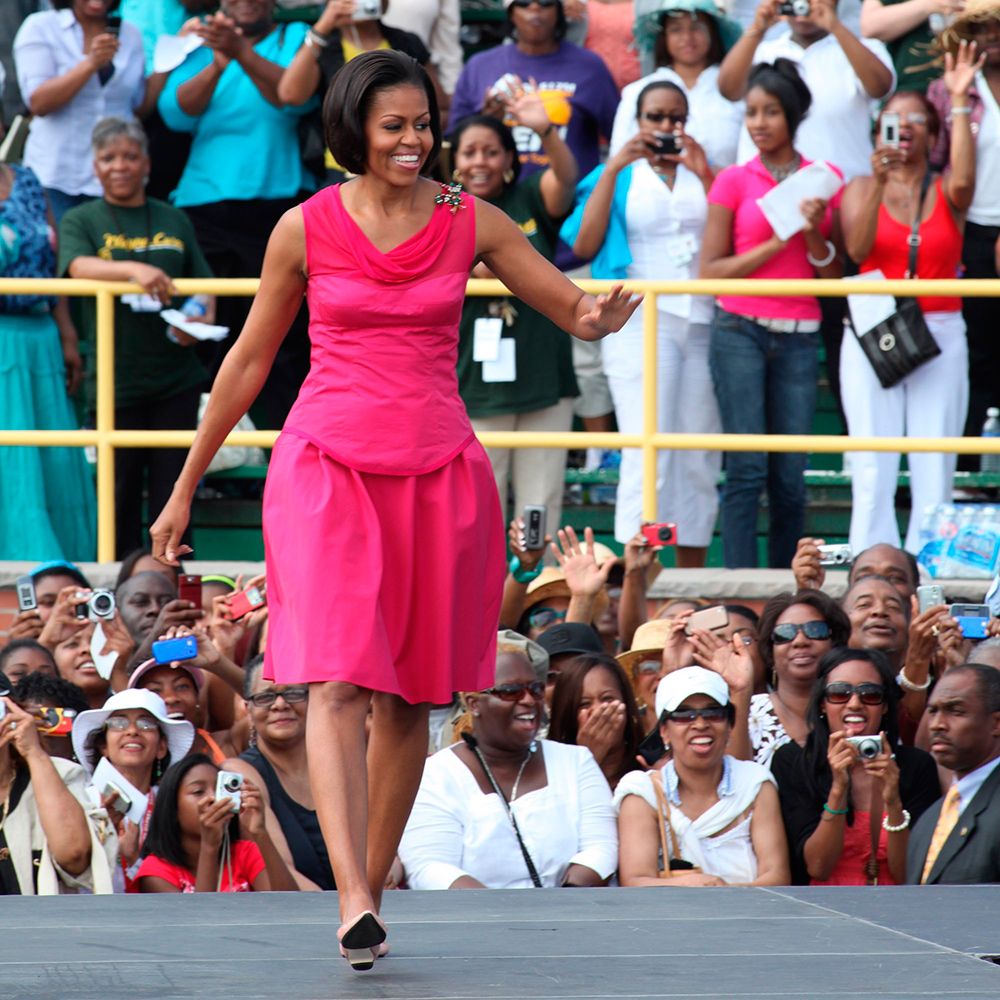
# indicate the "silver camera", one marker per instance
pixel 835 555
pixel 795 8
pixel 868 747
pixel 98 607
pixel 228 785
pixel 367 10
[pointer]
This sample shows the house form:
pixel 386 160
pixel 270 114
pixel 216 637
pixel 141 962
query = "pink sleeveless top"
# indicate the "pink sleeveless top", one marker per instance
pixel 381 395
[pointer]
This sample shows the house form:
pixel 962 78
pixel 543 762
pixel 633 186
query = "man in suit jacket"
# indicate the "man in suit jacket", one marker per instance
pixel 957 840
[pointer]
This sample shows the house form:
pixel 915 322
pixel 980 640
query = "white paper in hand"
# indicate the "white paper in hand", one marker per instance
pixel 106 774
pixel 867 311
pixel 200 331
pixel 105 662
pixel 781 204
pixel 172 50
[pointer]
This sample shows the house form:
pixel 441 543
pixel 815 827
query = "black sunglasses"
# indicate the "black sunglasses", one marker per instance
pixel 661 116
pixel 713 714
pixel 839 693
pixel 788 631
pixel 292 695
pixel 515 692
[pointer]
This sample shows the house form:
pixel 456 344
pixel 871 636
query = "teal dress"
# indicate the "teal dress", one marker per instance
pixel 47 508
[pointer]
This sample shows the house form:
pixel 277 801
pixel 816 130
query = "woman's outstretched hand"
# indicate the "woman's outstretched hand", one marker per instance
pixel 167 531
pixel 608 314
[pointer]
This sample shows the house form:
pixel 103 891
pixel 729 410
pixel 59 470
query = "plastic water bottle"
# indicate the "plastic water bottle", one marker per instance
pixel 991 429
pixel 195 307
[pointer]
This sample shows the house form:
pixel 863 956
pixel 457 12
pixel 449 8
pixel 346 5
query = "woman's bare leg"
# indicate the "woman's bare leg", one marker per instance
pixel 397 749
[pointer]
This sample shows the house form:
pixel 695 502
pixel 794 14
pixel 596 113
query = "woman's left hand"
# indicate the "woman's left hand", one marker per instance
pixel 583 576
pixel 528 108
pixel 602 728
pixel 74 366
pixel 221 34
pixel 18 729
pixel 813 210
pixel 884 769
pixel 251 810
pixel 960 68
pixel 610 312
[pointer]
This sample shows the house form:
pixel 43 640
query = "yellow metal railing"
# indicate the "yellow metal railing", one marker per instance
pixel 107 439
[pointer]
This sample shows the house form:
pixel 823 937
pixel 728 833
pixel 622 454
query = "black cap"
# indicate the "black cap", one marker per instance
pixel 570 637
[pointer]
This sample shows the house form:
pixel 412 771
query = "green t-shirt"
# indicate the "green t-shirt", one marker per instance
pixel 914 57
pixel 543 353
pixel 147 364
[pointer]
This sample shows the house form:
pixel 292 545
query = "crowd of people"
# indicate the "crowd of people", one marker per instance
pixel 145 744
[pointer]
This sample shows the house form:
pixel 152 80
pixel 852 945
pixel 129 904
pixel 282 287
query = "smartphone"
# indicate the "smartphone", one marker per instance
pixel 184 647
pixel 929 595
pixel 972 619
pixel 113 24
pixel 534 525
pixel 189 589
pixel 665 144
pixel 652 748
pixel 889 130
pixel 227 786
pixel 660 534
pixel 123 803
pixel 711 619
pixel 244 602
pixel 835 555
pixel 26 600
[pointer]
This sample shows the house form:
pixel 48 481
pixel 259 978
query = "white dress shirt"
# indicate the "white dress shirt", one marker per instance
pixel 47 45
pixel 455 830
pixel 713 121
pixel 437 24
pixel 838 127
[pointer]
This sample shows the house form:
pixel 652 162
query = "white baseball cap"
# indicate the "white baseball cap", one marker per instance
pixel 681 684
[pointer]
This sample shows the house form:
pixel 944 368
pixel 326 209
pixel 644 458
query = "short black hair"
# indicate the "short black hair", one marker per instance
pixel 502 132
pixel 987 683
pixel 60 569
pixel 41 687
pixel 659 85
pixel 127 568
pixel 350 96
pixel 12 647
pixel 910 558
pixel 661 57
pixel 744 612
pixel 63 4
pixel 164 838
pixel 833 614
pixel 782 81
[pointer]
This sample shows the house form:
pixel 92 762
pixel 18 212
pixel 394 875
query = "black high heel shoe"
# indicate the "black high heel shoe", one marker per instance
pixel 360 940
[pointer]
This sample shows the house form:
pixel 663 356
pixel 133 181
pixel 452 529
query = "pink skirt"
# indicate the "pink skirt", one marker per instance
pixel 392 583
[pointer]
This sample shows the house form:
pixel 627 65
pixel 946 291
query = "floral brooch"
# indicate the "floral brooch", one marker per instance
pixel 451 195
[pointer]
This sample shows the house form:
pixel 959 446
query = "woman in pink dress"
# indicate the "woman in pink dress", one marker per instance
pixel 377 473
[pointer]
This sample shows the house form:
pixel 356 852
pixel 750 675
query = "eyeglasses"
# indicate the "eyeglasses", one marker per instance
pixel 54 721
pixel 915 118
pixel 656 117
pixel 650 667
pixel 119 723
pixel 839 693
pixel 515 692
pixel 265 699
pixel 714 714
pixel 542 617
pixel 788 631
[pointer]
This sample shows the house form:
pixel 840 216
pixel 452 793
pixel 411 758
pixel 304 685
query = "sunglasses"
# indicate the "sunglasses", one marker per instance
pixel 839 693
pixel 713 714
pixel 656 117
pixel 515 692
pixel 293 695
pixel 788 631
pixel 119 723
pixel 54 721
pixel 541 617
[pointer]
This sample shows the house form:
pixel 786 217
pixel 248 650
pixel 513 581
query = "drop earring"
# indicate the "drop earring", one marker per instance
pixel 508 176
pixel 456 175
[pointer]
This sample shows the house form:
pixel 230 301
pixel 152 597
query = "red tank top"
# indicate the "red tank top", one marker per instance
pixel 939 254
pixel 381 395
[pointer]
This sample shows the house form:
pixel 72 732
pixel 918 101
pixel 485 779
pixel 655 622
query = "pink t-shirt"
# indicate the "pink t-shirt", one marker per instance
pixel 247 864
pixel 738 188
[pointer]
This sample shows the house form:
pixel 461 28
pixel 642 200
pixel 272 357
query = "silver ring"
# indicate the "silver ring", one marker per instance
pixel 12 726
pixel 885 161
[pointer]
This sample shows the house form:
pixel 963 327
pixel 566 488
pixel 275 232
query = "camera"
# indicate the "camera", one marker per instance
pixel 889 130
pixel 99 606
pixel 835 555
pixel 795 8
pixel 227 786
pixel 123 803
pixel 367 10
pixel 660 534
pixel 113 24
pixel 973 619
pixel 868 747
pixel 26 600
pixel 666 144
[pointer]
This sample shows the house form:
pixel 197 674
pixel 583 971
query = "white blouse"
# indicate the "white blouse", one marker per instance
pixel 455 829
pixel 713 121
pixel 436 23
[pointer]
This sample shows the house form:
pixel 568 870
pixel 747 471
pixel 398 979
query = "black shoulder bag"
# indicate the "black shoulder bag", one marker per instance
pixel 902 343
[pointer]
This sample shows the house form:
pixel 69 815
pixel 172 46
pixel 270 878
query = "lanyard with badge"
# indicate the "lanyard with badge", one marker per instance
pixel 498 354
pixel 138 303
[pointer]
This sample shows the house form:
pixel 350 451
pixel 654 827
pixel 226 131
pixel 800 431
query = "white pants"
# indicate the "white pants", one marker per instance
pixel 538 474
pixel 930 402
pixel 686 481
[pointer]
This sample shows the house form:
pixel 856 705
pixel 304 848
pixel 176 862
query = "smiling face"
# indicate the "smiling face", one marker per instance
pixel 282 723
pixel 398 136
pixel 878 616
pixel 600 687
pixel 121 168
pixel 688 40
pixel 505 725
pixel 482 161
pixel 798 661
pixel 766 122
pixel 196 784
pixel 177 689
pixel 700 744
pixel 964 734
pixel 76 665
pixel 134 748
pixel 854 717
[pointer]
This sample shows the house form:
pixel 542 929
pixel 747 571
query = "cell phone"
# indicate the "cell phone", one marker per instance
pixel 660 534
pixel 26 599
pixel 123 803
pixel 652 748
pixel 711 619
pixel 228 785
pixel 889 130
pixel 534 525
pixel 244 602
pixel 367 10
pixel 113 24
pixel 835 555
pixel 929 595
pixel 972 619
pixel 184 647
pixel 665 144
pixel 189 589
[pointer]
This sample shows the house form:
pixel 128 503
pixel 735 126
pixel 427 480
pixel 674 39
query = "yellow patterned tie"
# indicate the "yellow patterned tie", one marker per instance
pixel 945 824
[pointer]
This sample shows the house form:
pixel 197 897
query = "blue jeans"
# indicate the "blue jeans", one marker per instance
pixel 766 384
pixel 60 202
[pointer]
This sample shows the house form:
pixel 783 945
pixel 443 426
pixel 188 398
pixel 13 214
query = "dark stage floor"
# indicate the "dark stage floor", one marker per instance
pixel 796 944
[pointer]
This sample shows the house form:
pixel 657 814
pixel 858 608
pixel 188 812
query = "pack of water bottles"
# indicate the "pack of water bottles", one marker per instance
pixel 960 541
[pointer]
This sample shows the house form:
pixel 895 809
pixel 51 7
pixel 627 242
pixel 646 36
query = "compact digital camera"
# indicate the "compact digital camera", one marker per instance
pixel 367 10
pixel 98 607
pixel 228 785
pixel 795 8
pixel 868 747
pixel 835 555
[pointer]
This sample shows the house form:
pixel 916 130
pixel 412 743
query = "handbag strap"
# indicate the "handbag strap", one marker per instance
pixel 473 745
pixel 668 839
pixel 914 239
pixel 874 831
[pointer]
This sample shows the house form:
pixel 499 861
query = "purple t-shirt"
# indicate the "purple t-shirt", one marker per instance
pixel 579 94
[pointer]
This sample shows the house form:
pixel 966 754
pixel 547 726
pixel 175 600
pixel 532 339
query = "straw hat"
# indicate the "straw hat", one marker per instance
pixel 974 12
pixel 647 643
pixel 551 582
